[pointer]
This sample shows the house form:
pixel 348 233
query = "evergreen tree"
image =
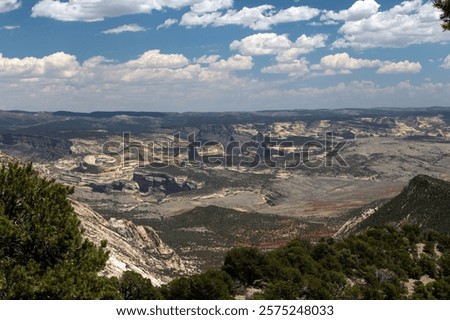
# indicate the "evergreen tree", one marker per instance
pixel 245 264
pixel 134 286
pixel 42 252
pixel 210 285
pixel 444 6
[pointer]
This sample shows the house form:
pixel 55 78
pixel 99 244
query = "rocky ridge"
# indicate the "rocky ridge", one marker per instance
pixel 131 247
pixel 425 201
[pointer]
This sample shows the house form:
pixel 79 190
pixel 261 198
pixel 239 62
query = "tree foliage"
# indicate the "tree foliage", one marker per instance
pixel 245 265
pixel 133 286
pixel 42 252
pixel 210 285
pixel 375 264
pixel 444 6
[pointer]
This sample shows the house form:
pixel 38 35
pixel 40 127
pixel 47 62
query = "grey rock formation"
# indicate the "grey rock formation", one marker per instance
pixel 131 247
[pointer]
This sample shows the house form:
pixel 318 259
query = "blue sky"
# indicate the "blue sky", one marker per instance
pixel 221 55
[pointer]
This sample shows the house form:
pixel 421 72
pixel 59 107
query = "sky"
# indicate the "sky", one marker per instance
pixel 221 55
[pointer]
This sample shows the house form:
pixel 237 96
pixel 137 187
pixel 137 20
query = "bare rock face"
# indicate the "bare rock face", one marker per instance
pixel 4 158
pixel 131 247
pixel 151 182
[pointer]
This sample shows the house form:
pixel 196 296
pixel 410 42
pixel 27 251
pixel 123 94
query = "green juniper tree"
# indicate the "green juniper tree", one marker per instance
pixel 43 254
pixel 209 285
pixel 444 6
pixel 134 286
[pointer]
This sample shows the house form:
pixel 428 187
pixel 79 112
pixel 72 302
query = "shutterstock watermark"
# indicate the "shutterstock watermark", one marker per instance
pixel 266 152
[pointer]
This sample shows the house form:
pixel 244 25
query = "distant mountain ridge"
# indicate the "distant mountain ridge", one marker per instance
pixel 108 114
pixel 62 122
pixel 425 201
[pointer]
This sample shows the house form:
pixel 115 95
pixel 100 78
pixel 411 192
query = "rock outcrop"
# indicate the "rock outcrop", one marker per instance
pixel 131 247
pixel 160 182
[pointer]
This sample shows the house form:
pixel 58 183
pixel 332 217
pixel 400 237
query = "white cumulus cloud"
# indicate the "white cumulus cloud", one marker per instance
pixel 410 22
pixel 201 13
pixel 294 68
pixel 206 6
pixel 58 65
pixel 279 45
pixel 167 24
pixel 262 17
pixel 148 67
pixel 236 62
pixel 400 67
pixel 155 59
pixel 286 52
pixel 9 5
pixel 163 80
pixel 361 9
pixel 262 44
pixel 97 10
pixel 342 61
pixel 125 28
